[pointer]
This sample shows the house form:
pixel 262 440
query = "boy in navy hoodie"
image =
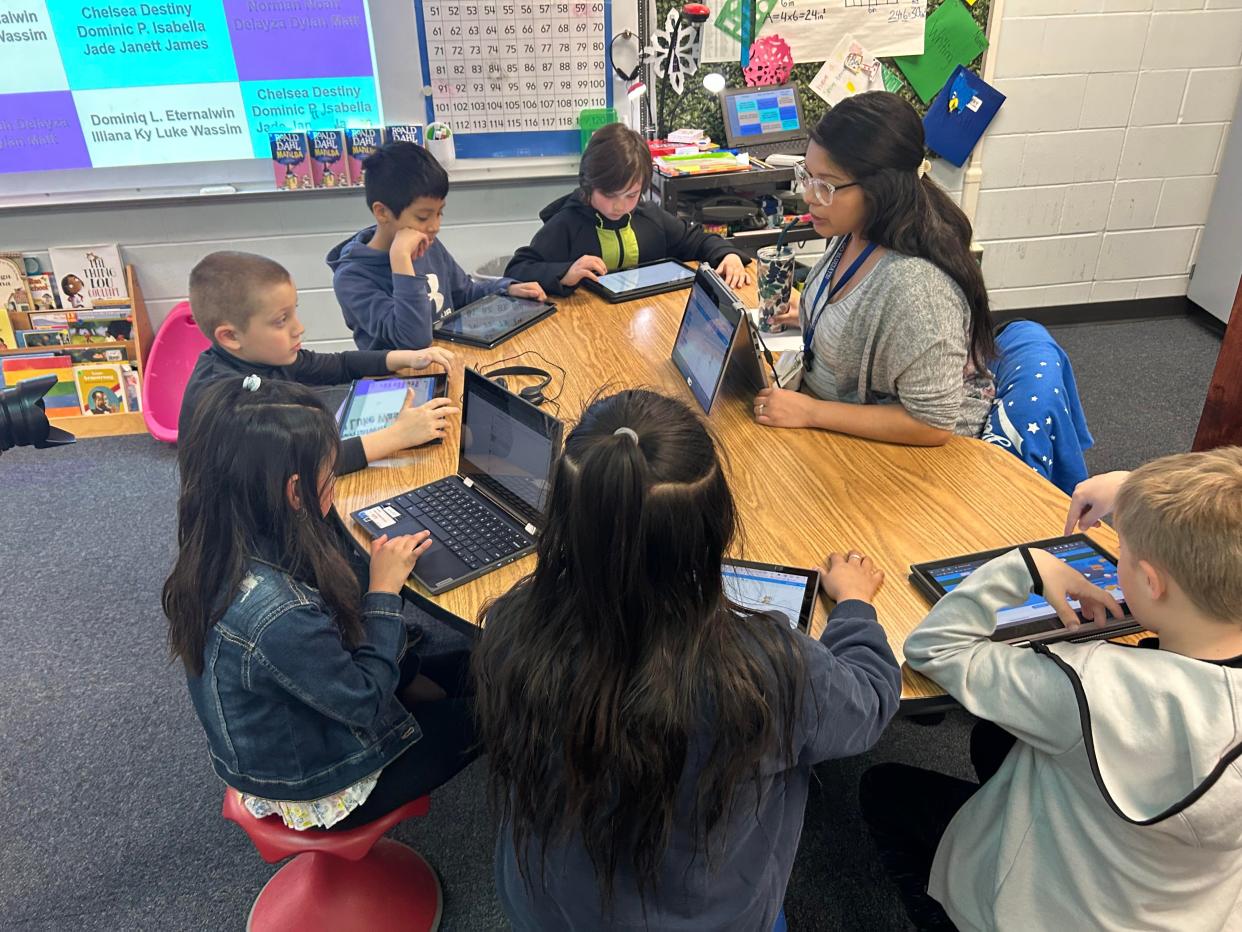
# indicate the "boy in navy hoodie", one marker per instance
pixel 395 279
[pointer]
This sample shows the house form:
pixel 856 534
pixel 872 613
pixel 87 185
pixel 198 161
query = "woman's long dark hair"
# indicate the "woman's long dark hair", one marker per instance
pixel 596 673
pixel 877 138
pixel 236 457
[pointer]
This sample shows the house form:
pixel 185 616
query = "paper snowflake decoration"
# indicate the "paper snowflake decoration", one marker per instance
pixel 685 58
pixel 771 61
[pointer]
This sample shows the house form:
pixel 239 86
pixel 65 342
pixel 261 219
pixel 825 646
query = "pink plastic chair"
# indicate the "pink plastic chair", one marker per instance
pixel 174 352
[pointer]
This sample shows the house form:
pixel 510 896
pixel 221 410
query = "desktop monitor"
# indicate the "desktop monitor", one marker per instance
pixel 756 116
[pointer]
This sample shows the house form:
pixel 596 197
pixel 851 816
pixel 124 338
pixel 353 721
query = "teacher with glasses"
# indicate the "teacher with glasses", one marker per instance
pixel 897 338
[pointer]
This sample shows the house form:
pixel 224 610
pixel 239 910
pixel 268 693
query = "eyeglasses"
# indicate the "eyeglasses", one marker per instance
pixel 816 190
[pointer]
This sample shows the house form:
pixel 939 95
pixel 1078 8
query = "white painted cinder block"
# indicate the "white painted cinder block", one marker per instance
pixel 1051 7
pixel 1158 99
pixel 1107 100
pixel 1040 104
pixel 1014 213
pixel 1086 207
pixel 1171 287
pixel 1145 253
pixel 1067 158
pixel 1211 95
pixel 1083 44
pixel 1126 6
pixel 1004 299
pixel 1185 201
pixel 1178 5
pixel 1027 263
pixel 1134 204
pixel 1002 161
pixel 1114 291
pixel 1194 39
pixel 1224 4
pixel 1170 151
pixel 1020 49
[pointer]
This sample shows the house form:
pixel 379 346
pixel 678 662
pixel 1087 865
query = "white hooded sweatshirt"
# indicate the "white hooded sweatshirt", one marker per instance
pixel 1120 806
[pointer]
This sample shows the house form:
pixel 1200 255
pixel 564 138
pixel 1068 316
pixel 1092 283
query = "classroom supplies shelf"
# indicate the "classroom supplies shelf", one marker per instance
pixel 137 347
pixel 672 190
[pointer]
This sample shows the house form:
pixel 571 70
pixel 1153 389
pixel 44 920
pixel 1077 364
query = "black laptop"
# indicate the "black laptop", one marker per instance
pixel 488 514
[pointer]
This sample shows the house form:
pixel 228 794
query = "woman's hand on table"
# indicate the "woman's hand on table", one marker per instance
pixel 779 407
pixel 852 575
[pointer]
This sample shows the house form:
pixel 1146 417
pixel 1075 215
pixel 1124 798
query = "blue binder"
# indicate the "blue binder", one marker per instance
pixel 959 115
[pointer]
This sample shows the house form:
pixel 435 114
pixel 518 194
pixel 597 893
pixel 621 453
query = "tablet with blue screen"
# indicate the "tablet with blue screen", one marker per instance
pixel 642 281
pixel 373 404
pixel 1035 619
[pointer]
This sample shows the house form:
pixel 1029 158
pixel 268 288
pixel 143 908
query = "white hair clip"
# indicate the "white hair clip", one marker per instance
pixel 628 431
pixel 924 167
pixel 251 383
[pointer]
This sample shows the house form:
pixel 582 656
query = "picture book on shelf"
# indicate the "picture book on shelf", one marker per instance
pixel 89 275
pixel 361 142
pixel 96 354
pixel 8 339
pixel 133 390
pixel 62 399
pixel 406 132
pixel 44 295
pixel 13 293
pixel 101 389
pixel 100 330
pixel 28 338
pixel 291 161
pixel 327 158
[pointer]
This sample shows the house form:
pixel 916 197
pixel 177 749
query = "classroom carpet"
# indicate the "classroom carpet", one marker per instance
pixel 109 810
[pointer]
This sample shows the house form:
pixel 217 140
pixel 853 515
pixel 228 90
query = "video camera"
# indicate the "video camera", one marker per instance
pixel 23 419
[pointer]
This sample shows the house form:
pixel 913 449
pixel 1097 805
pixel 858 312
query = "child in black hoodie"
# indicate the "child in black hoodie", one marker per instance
pixel 605 226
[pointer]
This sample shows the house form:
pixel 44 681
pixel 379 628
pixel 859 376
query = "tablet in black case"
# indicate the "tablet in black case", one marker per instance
pixel 491 320
pixel 642 281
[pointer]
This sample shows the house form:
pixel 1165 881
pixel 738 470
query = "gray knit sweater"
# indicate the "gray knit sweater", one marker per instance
pixel 901 335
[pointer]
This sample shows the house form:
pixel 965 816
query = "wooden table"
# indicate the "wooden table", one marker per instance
pixel 799 493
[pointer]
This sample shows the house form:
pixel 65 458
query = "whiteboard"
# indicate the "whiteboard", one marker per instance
pixel 400 86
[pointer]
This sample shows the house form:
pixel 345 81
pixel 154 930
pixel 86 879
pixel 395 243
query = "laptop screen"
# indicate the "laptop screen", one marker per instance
pixel 701 349
pixel 772 114
pixel 507 445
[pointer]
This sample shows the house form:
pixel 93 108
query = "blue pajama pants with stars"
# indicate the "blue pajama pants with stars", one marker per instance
pixel 1037 414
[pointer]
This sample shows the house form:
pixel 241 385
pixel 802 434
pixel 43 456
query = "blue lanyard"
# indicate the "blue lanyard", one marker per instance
pixel 817 309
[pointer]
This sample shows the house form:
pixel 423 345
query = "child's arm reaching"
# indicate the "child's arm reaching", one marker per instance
pixel 1012 686
pixel 690 242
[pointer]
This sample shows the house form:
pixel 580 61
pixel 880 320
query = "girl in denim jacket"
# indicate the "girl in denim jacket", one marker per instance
pixel 314 707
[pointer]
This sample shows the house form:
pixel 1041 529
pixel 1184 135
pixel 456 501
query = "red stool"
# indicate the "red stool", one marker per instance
pixel 340 881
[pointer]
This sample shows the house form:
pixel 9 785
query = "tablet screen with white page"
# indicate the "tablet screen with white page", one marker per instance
pixel 646 276
pixel 783 590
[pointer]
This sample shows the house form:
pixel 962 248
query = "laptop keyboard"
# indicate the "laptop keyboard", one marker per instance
pixel 471 530
pixel 788 147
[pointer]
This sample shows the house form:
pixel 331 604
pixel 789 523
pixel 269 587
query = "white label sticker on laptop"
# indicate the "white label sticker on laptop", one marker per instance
pixel 379 517
pixel 392 512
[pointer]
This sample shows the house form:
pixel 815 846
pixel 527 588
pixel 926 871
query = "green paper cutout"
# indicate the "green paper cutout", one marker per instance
pixel 892 83
pixel 952 38
pixel 729 20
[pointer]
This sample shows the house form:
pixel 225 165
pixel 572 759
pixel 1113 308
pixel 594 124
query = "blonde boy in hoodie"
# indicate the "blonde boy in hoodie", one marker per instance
pixel 1120 805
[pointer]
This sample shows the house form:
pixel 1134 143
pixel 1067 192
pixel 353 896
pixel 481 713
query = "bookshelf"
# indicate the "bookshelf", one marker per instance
pixel 127 422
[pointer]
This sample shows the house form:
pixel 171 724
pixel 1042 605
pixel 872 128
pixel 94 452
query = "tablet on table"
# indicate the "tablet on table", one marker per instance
pixel 491 320
pixel 373 404
pixel 1035 619
pixel 642 281
pixel 787 591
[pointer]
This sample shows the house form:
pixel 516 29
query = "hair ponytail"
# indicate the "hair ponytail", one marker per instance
pixel 878 139
pixel 599 669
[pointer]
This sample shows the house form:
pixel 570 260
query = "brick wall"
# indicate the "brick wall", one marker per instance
pixel 1099 168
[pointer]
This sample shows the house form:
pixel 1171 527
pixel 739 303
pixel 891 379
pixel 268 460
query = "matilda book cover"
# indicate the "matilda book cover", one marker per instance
pixel 291 161
pixel 361 142
pixel 327 158
pixel 89 275
pixel 101 389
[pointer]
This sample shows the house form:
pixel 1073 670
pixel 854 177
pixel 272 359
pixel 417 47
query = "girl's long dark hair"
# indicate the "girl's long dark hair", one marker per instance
pixel 600 675
pixel 877 138
pixel 236 457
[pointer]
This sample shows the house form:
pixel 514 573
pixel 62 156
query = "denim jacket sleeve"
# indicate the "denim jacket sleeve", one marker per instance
pixel 301 649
